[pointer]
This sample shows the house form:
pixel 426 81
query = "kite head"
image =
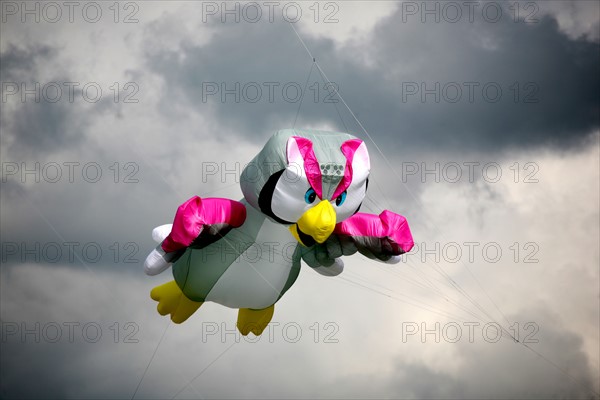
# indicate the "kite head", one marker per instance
pixel 309 180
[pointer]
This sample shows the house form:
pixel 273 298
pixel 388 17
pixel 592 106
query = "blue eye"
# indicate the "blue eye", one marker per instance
pixel 310 196
pixel 340 199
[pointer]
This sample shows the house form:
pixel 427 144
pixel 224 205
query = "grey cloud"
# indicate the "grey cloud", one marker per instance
pixel 562 74
pixel 564 68
pixel 38 127
pixel 80 368
pixel 16 60
pixel 573 378
pixel 38 134
pixel 488 369
pixel 407 380
pixel 558 73
pixel 42 128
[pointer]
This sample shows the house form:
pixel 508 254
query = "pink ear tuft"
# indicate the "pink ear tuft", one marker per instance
pixel 300 152
pixel 293 152
pixel 357 159
pixel 361 160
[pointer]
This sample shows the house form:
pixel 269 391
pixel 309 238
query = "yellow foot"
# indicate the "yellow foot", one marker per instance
pixel 254 321
pixel 171 300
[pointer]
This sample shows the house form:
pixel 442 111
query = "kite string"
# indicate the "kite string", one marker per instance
pixel 454 283
pixel 432 287
pixel 151 359
pixel 389 164
pixel 411 301
pixel 329 85
pixel 203 370
pixel 436 290
pixel 303 92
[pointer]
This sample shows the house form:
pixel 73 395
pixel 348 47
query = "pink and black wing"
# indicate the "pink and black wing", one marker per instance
pixel 199 222
pixel 379 237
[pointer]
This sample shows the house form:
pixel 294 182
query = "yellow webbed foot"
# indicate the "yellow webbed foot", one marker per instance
pixel 171 300
pixel 254 321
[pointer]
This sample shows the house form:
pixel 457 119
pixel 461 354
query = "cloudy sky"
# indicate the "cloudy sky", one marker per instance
pixel 482 122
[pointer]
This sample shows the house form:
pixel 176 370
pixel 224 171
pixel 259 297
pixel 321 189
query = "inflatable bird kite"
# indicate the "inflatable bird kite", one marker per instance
pixel 302 195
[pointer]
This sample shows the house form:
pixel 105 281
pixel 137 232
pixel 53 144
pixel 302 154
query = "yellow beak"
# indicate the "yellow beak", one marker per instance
pixel 315 225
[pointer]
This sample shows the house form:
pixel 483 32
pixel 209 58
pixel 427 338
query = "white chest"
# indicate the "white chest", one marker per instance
pixel 258 276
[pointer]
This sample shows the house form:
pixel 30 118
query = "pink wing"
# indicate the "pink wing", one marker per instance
pixel 376 236
pixel 200 222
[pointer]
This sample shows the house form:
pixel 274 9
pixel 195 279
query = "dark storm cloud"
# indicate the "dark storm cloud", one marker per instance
pixel 556 79
pixel 549 83
pixel 40 134
pixel 563 69
pixel 490 368
pixel 34 126
pixel 16 60
pixel 42 128
pixel 78 366
pixel 51 116
pixel 263 55
pixel 65 328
